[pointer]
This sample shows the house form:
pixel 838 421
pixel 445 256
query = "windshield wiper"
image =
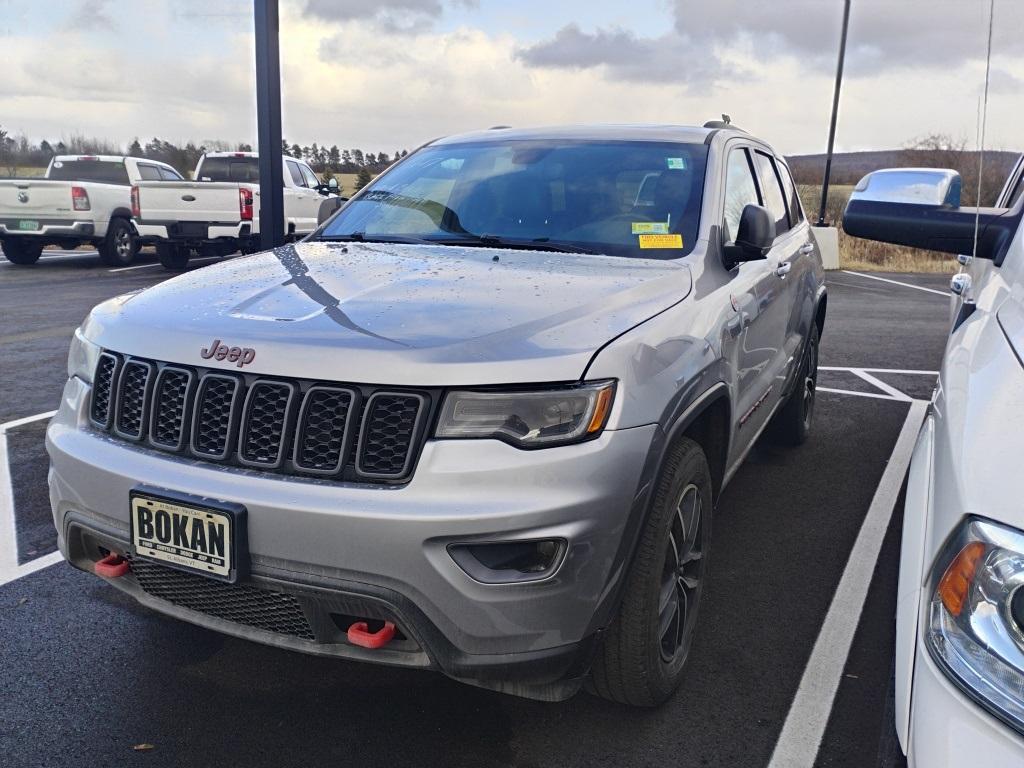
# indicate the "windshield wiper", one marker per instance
pixel 362 237
pixel 494 241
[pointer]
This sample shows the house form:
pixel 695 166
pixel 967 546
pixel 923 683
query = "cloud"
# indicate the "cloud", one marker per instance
pixel 90 15
pixel 919 34
pixel 671 58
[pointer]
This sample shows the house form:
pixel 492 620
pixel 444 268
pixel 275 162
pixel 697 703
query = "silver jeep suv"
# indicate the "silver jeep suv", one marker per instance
pixel 477 422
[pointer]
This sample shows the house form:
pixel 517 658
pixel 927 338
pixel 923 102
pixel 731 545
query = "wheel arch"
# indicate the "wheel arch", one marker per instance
pixel 122 213
pixel 705 418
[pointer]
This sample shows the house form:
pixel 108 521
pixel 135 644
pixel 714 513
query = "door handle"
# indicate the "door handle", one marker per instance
pixel 783 269
pixel 807 249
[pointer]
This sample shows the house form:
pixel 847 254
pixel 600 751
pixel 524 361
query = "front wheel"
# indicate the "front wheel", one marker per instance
pixel 644 651
pixel 119 247
pixel 792 424
pixel 173 257
pixel 21 253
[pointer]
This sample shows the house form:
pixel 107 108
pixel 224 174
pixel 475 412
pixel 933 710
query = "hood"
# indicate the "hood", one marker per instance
pixel 396 314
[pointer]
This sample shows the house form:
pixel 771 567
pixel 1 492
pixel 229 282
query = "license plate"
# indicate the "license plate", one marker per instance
pixel 193 229
pixel 28 224
pixel 201 538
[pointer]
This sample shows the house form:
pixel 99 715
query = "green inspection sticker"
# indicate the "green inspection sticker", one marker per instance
pixel 676 163
pixel 650 228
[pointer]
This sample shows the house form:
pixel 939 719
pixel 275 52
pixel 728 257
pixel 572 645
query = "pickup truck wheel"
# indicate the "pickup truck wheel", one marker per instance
pixel 644 651
pixel 22 253
pixel 174 258
pixel 119 247
pixel 792 424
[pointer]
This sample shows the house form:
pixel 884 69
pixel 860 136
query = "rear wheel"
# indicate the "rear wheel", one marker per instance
pixel 119 247
pixel 792 424
pixel 172 256
pixel 21 252
pixel 644 651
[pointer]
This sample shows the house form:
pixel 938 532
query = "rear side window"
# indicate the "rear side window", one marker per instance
pixel 311 180
pixel 740 191
pixel 293 169
pixel 1016 192
pixel 796 211
pixel 771 187
pixel 104 171
pixel 166 174
pixel 240 169
pixel 149 172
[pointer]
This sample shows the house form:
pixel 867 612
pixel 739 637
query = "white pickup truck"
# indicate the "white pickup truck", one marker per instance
pixel 82 199
pixel 219 212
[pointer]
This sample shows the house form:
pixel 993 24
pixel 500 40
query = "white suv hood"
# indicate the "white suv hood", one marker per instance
pixel 410 315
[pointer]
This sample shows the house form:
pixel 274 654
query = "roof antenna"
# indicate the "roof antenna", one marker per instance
pixel 981 133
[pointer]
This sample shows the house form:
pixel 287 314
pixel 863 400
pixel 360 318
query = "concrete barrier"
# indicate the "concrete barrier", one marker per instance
pixel 828 245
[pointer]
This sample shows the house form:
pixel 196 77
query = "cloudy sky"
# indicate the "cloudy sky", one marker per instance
pixel 389 74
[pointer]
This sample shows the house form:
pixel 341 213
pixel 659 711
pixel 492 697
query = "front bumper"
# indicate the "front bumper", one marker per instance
pixel 949 730
pixel 50 228
pixel 328 542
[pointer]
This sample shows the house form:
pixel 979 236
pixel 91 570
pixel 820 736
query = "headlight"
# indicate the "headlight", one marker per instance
pixel 82 357
pixel 529 419
pixel 976 617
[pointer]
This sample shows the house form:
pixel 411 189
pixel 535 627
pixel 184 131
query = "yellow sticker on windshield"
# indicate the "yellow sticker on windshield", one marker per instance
pixel 650 227
pixel 661 241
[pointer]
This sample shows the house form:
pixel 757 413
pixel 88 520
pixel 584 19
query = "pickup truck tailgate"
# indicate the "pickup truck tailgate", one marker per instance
pixel 29 199
pixel 188 201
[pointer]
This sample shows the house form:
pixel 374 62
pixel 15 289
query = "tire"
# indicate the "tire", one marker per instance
pixel 119 247
pixel 792 424
pixel 22 253
pixel 643 653
pixel 173 257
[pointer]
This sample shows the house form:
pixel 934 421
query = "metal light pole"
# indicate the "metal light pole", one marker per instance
pixel 268 122
pixel 835 114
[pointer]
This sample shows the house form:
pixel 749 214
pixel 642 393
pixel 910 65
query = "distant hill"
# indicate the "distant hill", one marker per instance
pixel 849 167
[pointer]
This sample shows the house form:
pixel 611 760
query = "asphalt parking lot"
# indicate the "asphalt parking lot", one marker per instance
pixel 86 675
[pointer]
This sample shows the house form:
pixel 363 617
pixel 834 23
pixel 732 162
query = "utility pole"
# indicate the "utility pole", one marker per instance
pixel 268 122
pixel 835 114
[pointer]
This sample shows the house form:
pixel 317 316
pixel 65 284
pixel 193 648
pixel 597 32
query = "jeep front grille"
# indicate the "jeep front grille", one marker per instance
pixel 347 432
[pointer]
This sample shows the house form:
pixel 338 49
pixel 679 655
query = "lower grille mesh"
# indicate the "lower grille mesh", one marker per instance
pixel 238 603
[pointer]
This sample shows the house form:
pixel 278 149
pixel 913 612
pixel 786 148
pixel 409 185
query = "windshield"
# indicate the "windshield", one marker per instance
pixel 104 171
pixel 621 198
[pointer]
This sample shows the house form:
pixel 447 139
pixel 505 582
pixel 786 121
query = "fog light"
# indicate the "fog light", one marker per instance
pixel 509 562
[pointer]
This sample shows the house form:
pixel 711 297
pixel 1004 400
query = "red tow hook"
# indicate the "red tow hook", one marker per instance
pixel 359 634
pixel 112 566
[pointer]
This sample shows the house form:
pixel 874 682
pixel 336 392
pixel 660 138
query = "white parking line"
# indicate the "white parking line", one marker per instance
pixel 809 713
pixel 944 294
pixel 900 371
pixel 10 570
pixel 873 395
pixel 157 264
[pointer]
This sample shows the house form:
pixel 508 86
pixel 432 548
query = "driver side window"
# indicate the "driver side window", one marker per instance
pixel 740 191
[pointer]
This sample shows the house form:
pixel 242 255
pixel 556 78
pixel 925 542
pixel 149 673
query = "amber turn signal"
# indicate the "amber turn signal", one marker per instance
pixel 601 408
pixel 956 581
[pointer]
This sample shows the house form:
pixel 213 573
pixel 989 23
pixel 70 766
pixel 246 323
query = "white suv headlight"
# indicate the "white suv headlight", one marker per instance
pixel 975 626
pixel 82 357
pixel 528 419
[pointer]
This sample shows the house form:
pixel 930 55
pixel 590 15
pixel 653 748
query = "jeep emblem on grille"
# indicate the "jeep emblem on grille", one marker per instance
pixel 238 355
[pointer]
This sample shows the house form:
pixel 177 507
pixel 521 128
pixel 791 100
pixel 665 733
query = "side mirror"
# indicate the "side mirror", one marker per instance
pixel 754 238
pixel 332 183
pixel 920 208
pixel 328 208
